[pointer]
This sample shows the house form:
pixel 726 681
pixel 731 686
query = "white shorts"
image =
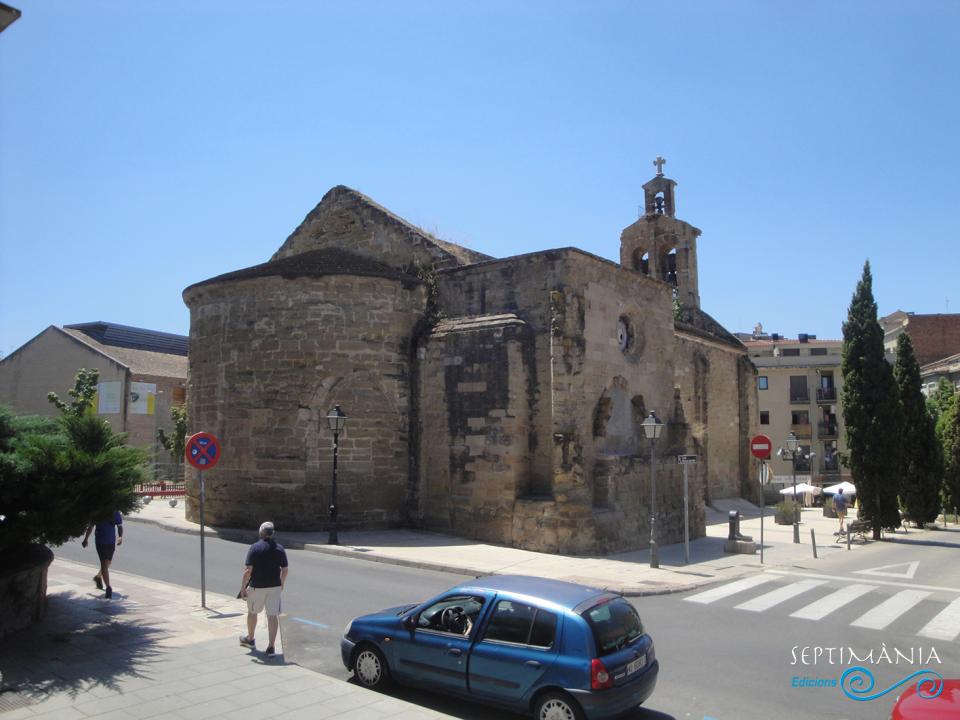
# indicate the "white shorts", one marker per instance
pixel 260 598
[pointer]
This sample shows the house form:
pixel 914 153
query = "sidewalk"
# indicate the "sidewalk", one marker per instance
pixel 628 573
pixel 150 652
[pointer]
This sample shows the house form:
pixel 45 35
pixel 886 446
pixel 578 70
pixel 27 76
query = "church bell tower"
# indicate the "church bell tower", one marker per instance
pixel 661 246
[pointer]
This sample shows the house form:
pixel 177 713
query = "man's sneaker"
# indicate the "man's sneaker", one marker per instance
pixel 247 642
pixel 270 650
pixel 109 593
pixel 98 582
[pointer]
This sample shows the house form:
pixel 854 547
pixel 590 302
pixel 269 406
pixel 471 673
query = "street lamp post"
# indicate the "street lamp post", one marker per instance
pixel 793 445
pixel 652 427
pixel 337 421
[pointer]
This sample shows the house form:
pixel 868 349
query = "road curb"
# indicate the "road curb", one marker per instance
pixel 239 535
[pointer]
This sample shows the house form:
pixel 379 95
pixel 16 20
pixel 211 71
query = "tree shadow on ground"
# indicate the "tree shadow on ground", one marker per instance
pixel 83 642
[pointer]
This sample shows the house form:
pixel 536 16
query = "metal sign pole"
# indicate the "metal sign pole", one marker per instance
pixel 203 557
pixel 686 518
pixel 763 504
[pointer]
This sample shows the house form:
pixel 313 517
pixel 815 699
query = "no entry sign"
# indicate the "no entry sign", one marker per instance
pixel 761 447
pixel 203 450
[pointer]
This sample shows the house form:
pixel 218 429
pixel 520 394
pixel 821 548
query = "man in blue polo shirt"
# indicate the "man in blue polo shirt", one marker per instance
pixel 264 573
pixel 109 534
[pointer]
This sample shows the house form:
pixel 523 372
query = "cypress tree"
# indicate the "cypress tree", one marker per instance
pixel 920 459
pixel 949 427
pixel 871 411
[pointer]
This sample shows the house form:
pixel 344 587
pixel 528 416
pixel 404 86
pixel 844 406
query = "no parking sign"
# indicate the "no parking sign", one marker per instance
pixel 203 450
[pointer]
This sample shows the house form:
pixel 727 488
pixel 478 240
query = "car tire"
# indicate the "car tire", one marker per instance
pixel 370 667
pixel 557 706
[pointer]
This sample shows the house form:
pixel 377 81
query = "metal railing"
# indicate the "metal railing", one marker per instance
pixel 826 429
pixel 826 395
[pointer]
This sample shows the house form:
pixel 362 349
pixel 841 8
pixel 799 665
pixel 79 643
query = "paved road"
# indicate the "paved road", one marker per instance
pixel 730 652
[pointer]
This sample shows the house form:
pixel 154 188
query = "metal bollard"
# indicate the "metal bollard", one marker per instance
pixel 848 538
pixel 813 541
pixel 955 517
pixel 944 518
pixel 733 518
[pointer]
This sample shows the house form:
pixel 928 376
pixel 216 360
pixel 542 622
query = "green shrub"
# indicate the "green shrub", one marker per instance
pixel 59 475
pixel 786 507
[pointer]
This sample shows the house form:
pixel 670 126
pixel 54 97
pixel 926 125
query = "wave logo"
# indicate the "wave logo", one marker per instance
pixel 857 683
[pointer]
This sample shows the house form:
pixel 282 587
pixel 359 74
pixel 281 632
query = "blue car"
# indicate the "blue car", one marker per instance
pixel 559 650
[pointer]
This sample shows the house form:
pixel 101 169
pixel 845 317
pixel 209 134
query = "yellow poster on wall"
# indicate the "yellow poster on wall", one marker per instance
pixel 142 398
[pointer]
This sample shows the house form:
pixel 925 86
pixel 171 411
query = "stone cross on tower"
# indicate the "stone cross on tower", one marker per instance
pixel 659 162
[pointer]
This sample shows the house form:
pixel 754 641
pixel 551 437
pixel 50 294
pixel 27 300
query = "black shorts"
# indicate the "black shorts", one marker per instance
pixel 106 551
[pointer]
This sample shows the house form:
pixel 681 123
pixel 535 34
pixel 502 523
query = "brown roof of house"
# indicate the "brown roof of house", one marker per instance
pixel 140 362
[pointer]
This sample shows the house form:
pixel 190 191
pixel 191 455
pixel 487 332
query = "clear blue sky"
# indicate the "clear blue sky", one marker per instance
pixel 145 146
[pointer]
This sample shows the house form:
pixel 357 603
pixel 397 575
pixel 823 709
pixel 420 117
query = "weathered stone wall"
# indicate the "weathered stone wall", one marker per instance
pixel 585 491
pixel 347 219
pixel 269 358
pixel 719 403
pixel 476 385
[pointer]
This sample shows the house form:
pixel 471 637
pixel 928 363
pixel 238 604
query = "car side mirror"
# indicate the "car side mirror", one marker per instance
pixel 410 622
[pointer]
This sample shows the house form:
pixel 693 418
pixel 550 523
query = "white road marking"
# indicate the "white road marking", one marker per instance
pixel 884 570
pixel 848 578
pixel 890 609
pixel 946 625
pixel 834 601
pixel 775 597
pixel 723 591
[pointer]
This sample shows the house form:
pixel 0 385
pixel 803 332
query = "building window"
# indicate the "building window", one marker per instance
pixel 818 351
pixel 791 352
pixel 800 417
pixel 764 417
pixel 798 389
pixel 623 333
pixel 762 382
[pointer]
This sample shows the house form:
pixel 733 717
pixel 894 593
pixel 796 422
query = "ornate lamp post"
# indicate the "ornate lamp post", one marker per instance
pixel 793 445
pixel 337 421
pixel 652 427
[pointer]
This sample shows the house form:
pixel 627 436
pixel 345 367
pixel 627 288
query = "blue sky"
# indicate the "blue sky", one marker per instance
pixel 146 146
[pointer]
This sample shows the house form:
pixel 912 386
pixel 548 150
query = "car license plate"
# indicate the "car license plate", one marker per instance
pixel 636 665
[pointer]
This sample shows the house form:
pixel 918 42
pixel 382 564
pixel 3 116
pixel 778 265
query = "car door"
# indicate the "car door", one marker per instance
pixel 516 646
pixel 436 653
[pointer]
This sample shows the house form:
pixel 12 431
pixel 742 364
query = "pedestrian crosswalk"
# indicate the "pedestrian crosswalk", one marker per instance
pixel 876 606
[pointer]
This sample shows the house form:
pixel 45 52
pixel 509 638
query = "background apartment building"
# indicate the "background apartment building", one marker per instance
pixel 936 343
pixel 798 390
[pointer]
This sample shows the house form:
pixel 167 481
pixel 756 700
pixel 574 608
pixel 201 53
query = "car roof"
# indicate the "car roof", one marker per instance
pixel 563 594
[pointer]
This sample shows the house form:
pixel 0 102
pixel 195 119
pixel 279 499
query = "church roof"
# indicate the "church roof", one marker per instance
pixel 113 334
pixel 315 263
pixel 137 359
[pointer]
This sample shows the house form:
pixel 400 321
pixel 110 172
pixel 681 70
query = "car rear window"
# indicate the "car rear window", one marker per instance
pixel 523 624
pixel 614 623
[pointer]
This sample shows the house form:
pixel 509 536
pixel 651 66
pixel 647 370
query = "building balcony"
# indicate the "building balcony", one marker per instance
pixel 830 466
pixel 827 430
pixel 802 430
pixel 826 396
pixel 800 398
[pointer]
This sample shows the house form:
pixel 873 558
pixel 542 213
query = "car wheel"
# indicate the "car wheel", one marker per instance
pixel 370 667
pixel 557 706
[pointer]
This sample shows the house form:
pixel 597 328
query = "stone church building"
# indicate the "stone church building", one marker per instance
pixel 496 399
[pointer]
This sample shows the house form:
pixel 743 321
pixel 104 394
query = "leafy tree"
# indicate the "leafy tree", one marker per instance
pixel 83 393
pixel 940 399
pixel 176 444
pixel 950 429
pixel 57 476
pixel 920 460
pixel 871 411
